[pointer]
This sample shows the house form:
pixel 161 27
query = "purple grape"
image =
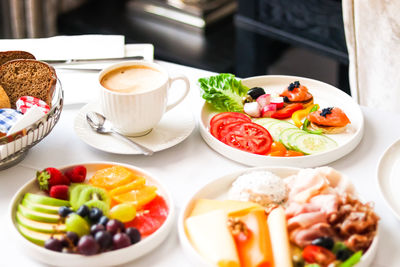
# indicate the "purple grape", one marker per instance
pixel 69 240
pixel 96 228
pixel 53 244
pixel 121 240
pixel 115 226
pixel 104 239
pixel 87 245
pixel 133 234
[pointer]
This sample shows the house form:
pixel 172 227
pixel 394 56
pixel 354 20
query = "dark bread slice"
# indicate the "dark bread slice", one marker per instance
pixel 11 55
pixel 28 77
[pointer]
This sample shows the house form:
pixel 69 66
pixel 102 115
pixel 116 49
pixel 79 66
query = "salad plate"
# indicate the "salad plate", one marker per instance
pixel 388 175
pixel 324 95
pixel 175 126
pixel 108 258
pixel 219 190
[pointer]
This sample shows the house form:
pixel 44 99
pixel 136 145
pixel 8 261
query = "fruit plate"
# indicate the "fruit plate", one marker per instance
pixel 388 177
pixel 114 257
pixel 324 94
pixel 217 189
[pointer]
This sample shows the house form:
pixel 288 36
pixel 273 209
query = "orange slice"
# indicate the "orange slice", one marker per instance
pixel 112 177
pixel 138 197
pixel 135 184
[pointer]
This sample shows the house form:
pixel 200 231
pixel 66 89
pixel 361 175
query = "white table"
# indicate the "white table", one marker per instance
pixel 188 166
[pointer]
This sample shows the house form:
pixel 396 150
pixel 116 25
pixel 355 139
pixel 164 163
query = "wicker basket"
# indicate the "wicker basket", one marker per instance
pixel 14 147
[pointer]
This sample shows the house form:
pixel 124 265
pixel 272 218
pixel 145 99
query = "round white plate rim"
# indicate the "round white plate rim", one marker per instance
pixel 80 118
pixel 144 246
pixel 383 174
pixel 366 259
pixel 303 161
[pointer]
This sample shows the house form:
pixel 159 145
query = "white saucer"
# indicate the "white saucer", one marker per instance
pixel 175 126
pixel 388 177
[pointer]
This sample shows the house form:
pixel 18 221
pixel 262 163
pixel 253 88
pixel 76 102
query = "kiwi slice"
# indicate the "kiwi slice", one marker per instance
pixel 74 193
pixel 100 205
pixel 93 193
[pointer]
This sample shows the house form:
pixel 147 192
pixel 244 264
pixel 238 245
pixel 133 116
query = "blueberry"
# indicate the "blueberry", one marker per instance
pixel 83 211
pixel 103 220
pixel 325 241
pixel 95 214
pixel 64 211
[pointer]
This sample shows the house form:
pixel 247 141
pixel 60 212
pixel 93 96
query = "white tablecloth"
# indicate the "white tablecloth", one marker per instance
pixel 188 166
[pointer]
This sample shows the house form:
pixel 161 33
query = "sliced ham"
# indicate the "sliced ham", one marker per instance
pixel 306 220
pixel 341 183
pixel 295 208
pixel 308 183
pixel 304 236
pixel 328 203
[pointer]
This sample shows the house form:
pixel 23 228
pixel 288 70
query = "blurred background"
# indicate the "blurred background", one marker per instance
pixel 244 37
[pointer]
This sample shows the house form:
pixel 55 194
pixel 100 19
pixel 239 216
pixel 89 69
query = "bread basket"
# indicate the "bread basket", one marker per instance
pixel 14 147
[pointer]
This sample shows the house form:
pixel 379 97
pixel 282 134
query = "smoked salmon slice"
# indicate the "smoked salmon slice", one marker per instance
pixel 296 92
pixel 329 117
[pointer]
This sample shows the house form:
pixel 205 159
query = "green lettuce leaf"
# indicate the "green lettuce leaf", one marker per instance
pixel 224 92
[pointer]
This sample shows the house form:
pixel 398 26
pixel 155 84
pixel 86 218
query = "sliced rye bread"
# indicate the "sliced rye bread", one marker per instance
pixel 11 55
pixel 28 77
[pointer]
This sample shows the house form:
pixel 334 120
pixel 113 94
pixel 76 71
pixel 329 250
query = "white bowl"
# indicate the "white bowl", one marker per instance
pixel 115 257
pixel 324 94
pixel 217 189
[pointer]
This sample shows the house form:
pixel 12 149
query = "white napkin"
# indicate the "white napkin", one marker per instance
pixel 31 115
pixel 69 47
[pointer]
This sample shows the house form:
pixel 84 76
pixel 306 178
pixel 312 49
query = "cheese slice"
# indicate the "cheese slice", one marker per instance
pixel 279 237
pixel 210 236
pixel 233 208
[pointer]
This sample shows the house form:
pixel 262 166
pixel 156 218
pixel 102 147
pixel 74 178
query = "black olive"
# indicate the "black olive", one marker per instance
pixel 255 92
pixel 324 241
pixel 343 254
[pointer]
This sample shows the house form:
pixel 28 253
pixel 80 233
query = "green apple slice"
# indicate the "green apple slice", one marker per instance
pixel 38 216
pixel 40 199
pixel 36 237
pixel 40 207
pixel 52 228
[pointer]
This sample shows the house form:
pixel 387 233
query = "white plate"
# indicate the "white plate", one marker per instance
pixel 324 94
pixel 388 177
pixel 175 126
pixel 115 257
pixel 218 189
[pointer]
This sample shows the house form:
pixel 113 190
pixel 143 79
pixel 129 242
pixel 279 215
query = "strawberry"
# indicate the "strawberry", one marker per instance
pixel 50 177
pixel 59 191
pixel 76 174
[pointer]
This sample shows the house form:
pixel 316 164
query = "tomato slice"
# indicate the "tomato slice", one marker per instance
pixel 287 111
pixel 221 119
pixel 317 254
pixel 247 136
pixel 150 217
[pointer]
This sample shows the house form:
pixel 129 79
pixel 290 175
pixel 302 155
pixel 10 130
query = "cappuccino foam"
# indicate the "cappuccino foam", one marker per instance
pixel 132 79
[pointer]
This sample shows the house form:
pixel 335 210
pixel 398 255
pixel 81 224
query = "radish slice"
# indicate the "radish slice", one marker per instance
pixel 267 111
pixel 252 109
pixel 264 100
pixel 278 101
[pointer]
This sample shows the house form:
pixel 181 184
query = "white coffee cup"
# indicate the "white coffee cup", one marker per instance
pixel 140 97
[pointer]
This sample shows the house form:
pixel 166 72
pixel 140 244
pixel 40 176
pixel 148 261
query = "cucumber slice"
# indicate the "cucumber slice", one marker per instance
pixel 284 136
pixel 265 122
pixel 275 129
pixel 313 143
pixel 292 140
